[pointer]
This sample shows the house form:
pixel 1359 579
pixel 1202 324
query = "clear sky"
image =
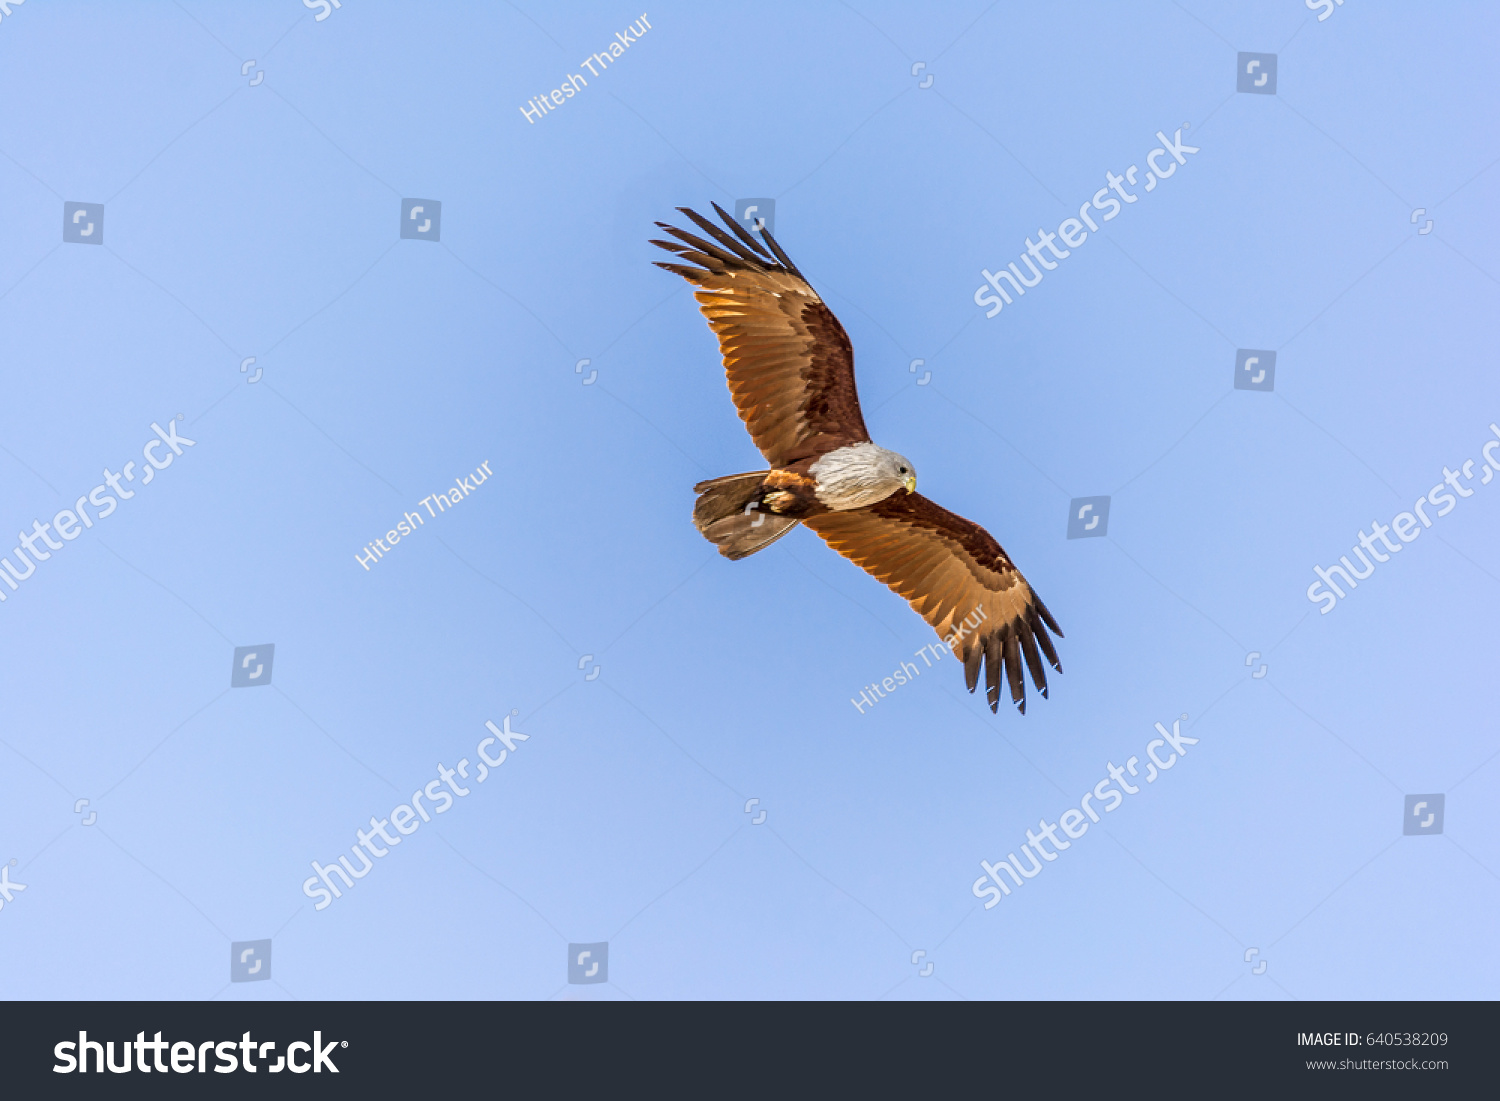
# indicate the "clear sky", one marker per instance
pixel 696 788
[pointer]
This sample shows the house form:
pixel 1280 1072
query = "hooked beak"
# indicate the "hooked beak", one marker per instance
pixel 911 483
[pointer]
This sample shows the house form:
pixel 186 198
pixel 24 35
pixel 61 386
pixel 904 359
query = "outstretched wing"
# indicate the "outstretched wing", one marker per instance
pixel 789 361
pixel 953 572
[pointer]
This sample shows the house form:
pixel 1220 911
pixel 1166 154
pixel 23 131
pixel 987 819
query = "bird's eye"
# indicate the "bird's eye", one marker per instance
pixel 903 470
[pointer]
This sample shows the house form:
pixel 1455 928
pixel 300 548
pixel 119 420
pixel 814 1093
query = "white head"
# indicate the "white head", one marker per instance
pixel 861 474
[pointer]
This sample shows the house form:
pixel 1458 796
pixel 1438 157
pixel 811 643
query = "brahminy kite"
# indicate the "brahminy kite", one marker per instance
pixel 791 372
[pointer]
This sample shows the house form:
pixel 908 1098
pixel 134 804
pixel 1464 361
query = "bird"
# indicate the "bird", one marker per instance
pixel 790 369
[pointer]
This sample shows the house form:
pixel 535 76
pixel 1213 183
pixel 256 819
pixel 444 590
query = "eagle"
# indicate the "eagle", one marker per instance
pixel 790 370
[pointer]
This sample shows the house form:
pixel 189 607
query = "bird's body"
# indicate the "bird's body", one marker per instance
pixel 791 372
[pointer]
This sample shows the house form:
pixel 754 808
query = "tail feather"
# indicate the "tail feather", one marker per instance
pixel 726 514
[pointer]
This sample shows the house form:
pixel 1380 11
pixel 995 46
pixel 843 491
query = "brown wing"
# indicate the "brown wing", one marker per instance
pixel 789 361
pixel 953 573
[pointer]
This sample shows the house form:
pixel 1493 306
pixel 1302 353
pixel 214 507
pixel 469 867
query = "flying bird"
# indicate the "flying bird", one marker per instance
pixel 790 369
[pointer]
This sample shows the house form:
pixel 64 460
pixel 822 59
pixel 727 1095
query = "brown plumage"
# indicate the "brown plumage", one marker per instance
pixel 949 569
pixel 790 369
pixel 789 362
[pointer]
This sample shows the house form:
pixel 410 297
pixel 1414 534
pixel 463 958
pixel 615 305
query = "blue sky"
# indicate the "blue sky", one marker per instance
pixel 662 689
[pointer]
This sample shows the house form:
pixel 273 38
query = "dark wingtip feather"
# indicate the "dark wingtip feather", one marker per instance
pixel 780 255
pixel 971 667
pixel 993 667
pixel 1033 659
pixel 740 231
pixel 1040 631
pixel 1012 651
pixel 692 275
pixel 756 258
pixel 1046 615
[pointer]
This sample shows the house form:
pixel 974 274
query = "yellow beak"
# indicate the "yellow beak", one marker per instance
pixel 911 483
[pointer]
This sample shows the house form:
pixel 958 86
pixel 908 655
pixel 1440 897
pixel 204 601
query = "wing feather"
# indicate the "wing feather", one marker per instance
pixel 789 363
pixel 959 580
pixel 754 254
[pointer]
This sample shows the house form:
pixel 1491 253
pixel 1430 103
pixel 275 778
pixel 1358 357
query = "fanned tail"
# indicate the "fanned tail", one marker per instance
pixel 728 515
